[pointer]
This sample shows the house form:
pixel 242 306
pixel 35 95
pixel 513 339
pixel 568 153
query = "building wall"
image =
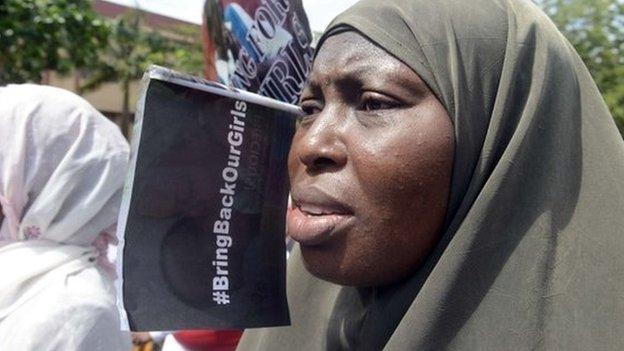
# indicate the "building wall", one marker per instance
pixel 108 98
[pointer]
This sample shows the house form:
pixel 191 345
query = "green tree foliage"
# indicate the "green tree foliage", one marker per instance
pixel 132 48
pixel 40 35
pixel 187 51
pixel 596 29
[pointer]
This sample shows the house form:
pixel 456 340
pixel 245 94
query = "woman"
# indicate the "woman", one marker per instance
pixel 62 167
pixel 457 184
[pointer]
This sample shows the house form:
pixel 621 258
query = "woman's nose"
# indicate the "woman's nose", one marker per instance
pixel 322 147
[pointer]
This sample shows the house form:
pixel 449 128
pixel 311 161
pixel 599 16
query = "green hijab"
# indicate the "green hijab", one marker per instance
pixel 532 256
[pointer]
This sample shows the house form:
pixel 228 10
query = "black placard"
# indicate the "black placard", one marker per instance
pixel 204 208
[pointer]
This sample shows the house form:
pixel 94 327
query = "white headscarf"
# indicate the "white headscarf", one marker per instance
pixel 62 168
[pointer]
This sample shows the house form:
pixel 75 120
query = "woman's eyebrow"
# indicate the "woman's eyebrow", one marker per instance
pixel 364 75
pixel 395 84
pixel 311 90
pixel 354 76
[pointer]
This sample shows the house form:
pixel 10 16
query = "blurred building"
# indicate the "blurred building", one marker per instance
pixel 108 97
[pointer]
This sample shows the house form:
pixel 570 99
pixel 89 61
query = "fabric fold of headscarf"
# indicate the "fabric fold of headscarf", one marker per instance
pixel 62 168
pixel 531 256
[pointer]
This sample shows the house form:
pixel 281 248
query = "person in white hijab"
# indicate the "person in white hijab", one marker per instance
pixel 62 168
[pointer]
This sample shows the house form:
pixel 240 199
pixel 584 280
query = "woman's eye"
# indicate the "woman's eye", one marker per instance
pixel 376 103
pixel 310 107
pixel 373 105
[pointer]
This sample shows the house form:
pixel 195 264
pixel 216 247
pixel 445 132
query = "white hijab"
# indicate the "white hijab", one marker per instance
pixel 62 167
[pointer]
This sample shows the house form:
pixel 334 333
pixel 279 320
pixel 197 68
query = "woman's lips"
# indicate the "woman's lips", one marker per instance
pixel 313 224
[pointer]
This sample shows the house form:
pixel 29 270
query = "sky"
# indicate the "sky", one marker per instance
pixel 320 12
pixel 186 10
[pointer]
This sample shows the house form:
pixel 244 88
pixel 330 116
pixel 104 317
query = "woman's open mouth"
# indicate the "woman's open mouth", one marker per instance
pixel 314 217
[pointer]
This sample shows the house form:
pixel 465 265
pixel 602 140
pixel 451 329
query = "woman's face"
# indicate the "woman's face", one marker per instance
pixel 370 166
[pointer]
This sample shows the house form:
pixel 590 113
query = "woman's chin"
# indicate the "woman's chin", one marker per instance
pixel 335 267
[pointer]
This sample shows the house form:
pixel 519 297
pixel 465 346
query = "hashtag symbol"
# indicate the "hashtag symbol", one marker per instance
pixel 221 297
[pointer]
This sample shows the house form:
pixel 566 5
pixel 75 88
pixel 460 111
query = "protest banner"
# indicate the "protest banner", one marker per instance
pixel 262 46
pixel 202 218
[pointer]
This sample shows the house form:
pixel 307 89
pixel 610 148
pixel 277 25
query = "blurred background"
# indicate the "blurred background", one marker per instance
pixel 99 49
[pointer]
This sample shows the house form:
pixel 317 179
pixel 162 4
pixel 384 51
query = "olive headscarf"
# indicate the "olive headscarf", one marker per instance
pixel 532 255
